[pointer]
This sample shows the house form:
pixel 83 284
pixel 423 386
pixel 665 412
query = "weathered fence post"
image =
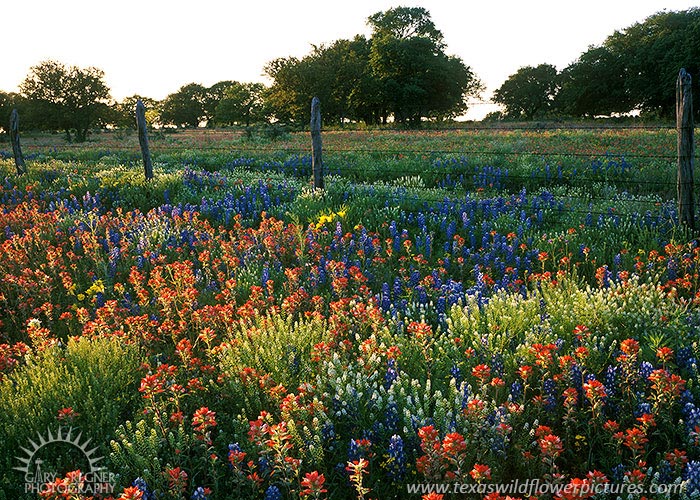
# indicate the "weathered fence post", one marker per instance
pixel 686 148
pixel 143 139
pixel 16 149
pixel 316 152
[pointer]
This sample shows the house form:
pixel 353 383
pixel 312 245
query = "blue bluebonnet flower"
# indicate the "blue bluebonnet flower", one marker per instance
pixel 692 477
pixel 665 471
pixel 516 390
pixel 456 373
pixel 543 310
pixel 683 355
pixel 465 395
pixel 397 458
pixel 141 484
pixel 576 377
pixel 393 231
pixel 397 288
pixel 264 465
pixel 671 270
pixel 440 306
pixel 645 370
pixel 497 365
pixel 385 297
pixel 616 261
pixel 618 473
pixel 691 416
pixel 273 493
pixel 328 431
pixel 199 494
pixel 391 373
pixel 549 388
pixel 641 409
pixel 611 374
pixel 356 450
pixel 687 397
pixel 422 295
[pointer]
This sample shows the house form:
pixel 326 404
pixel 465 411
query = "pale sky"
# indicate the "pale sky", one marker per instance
pixel 153 47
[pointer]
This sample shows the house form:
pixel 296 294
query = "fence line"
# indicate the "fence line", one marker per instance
pixel 327 150
pixel 434 174
pixel 408 170
pixel 564 210
pixel 460 195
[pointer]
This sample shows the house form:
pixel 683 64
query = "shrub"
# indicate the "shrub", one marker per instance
pixel 94 382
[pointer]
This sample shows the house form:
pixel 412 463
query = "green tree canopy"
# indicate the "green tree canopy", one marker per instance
pixel 635 68
pixel 8 101
pixel 529 93
pixel 417 78
pixel 285 96
pixel 653 52
pixel 65 98
pixel 213 97
pixel 241 103
pixel 338 74
pixel 405 23
pixel 124 112
pixel 594 85
pixel 186 107
pixel 401 71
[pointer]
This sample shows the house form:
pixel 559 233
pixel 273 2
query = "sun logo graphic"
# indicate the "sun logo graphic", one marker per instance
pixel 40 477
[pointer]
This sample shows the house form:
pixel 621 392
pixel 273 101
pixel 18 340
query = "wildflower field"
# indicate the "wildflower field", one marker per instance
pixel 457 306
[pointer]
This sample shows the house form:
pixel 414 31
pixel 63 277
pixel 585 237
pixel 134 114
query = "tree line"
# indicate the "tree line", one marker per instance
pixel 401 73
pixel 634 69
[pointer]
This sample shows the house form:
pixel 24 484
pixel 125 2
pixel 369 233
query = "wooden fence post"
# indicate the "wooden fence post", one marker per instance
pixel 686 148
pixel 16 149
pixel 143 139
pixel 316 151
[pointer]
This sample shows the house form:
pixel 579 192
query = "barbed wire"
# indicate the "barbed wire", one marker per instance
pixel 506 178
pixel 394 152
pixel 497 126
pixel 466 176
pixel 427 199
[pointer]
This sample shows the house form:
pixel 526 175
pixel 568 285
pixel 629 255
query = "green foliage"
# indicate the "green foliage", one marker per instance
pixel 241 314
pixel 135 452
pixel 278 346
pixel 241 103
pixel 65 98
pixel 98 378
pixel 510 324
pixel 594 85
pixel 635 68
pixel 124 112
pixel 8 101
pixel 529 93
pixel 405 23
pixel 186 107
pixel 127 188
pixel 402 71
pixel 652 52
